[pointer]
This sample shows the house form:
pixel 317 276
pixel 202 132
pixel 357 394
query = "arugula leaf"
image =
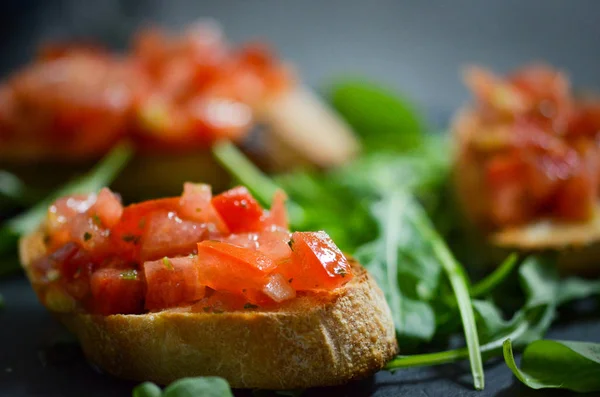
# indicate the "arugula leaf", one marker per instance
pixel 486 285
pixel 209 386
pixel 399 260
pixel 101 175
pixel 383 120
pixel 557 364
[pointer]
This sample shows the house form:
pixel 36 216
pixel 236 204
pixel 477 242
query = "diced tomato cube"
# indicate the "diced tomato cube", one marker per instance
pixel 172 281
pixel 116 291
pixel 316 263
pixel 126 235
pixel 226 267
pixel 274 244
pixel 108 208
pixel 278 288
pixel 277 216
pixel 195 205
pixel 240 211
pixel 167 235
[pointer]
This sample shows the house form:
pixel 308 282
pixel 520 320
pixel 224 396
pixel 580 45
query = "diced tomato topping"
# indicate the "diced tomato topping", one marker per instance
pixel 117 292
pixel 240 211
pixel 174 252
pixel 108 208
pixel 195 205
pixel 538 144
pixel 168 235
pixel 274 244
pixel 316 263
pixel 172 282
pixel 278 288
pixel 226 267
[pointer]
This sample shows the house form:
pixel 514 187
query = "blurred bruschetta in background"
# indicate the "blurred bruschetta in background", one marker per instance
pixel 527 166
pixel 173 97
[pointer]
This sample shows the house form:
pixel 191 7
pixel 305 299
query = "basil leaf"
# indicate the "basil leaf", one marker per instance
pixel 209 386
pixel 557 364
pixel 383 120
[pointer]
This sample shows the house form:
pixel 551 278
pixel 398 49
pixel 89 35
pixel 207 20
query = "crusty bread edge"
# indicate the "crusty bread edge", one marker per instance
pixel 318 340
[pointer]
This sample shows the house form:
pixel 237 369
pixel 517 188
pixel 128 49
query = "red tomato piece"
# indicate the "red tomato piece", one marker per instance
pixel 240 211
pixel 278 288
pixel 274 244
pixel 117 292
pixel 277 217
pixel 226 267
pixel 195 205
pixel 126 235
pixel 167 235
pixel 108 208
pixel 316 263
pixel 172 282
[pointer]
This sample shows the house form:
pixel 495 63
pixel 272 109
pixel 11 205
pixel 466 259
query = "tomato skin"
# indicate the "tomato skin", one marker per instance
pixel 316 263
pixel 116 292
pixel 226 267
pixel 507 189
pixel 240 210
pixel 172 282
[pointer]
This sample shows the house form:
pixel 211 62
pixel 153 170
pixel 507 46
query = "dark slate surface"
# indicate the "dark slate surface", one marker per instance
pixel 414 46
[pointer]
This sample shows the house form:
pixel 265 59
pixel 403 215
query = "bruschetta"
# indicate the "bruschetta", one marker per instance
pixel 173 97
pixel 527 164
pixel 199 285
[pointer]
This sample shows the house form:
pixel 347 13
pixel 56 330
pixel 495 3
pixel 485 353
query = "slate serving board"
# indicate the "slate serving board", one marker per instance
pixel 414 46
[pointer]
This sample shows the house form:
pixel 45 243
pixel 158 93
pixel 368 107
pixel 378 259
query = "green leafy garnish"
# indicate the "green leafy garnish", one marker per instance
pixel 250 306
pixel 101 175
pixel 209 386
pixel 167 263
pixel 384 121
pixel 87 236
pixel 557 365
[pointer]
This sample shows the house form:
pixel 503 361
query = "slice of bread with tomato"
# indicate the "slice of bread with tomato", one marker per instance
pixel 251 302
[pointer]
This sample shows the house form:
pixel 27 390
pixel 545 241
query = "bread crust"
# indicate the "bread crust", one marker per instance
pixel 316 339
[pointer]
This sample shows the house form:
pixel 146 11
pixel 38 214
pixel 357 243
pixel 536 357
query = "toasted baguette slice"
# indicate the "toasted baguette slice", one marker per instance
pixel 316 339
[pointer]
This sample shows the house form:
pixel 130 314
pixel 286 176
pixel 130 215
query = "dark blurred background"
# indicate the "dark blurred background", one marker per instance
pixel 414 46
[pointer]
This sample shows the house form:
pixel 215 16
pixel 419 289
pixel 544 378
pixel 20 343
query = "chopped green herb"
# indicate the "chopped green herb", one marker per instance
pixel 291 244
pixel 290 280
pixel 131 238
pixel 129 274
pixel 206 309
pixel 47 239
pixel 218 311
pixel 87 236
pixel 340 272
pixel 142 223
pixel 250 306
pixel 96 220
pixel 167 263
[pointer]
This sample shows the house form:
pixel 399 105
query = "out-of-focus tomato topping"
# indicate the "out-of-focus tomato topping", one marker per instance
pixel 218 253
pixel 174 93
pixel 536 145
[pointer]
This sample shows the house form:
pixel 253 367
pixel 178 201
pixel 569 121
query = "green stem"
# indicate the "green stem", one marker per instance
pixel 458 281
pixel 449 356
pixel 487 284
